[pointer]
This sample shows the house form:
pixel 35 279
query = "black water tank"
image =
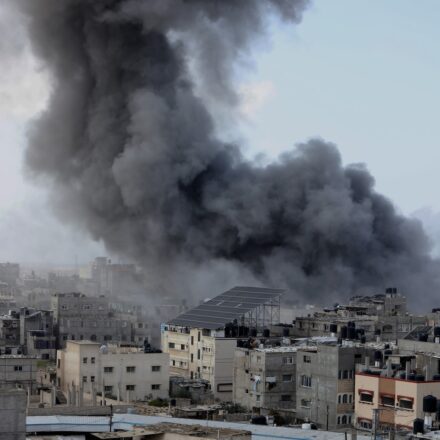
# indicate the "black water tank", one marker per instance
pixel 435 310
pixel 420 378
pixel 344 331
pixel 351 324
pixel 259 420
pixel 423 338
pixel 437 332
pixel 378 355
pixel 418 426
pixel 286 332
pixel 411 376
pixel 333 328
pixel 253 332
pixel 377 332
pixel 363 339
pixel 351 333
pixel 386 346
pixel 429 404
pixel 402 375
pixel 266 333
pixel 436 377
pixel 388 352
pixel 438 408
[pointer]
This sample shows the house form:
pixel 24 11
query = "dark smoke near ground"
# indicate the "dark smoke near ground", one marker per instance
pixel 133 157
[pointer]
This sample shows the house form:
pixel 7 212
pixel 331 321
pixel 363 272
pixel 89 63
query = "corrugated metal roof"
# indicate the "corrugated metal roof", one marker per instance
pixel 226 307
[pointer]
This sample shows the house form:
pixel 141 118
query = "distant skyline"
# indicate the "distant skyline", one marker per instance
pixel 362 75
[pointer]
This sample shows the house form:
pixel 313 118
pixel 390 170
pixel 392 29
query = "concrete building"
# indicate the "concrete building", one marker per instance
pixel 117 371
pixel 10 273
pixel 398 400
pixel 325 383
pixel 202 341
pixel 12 414
pixel 80 317
pixel 18 371
pixel 265 378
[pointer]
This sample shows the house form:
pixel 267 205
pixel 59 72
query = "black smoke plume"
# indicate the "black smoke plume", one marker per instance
pixel 131 151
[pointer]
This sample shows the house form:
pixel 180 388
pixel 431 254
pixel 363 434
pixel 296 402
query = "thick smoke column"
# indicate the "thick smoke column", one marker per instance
pixel 132 155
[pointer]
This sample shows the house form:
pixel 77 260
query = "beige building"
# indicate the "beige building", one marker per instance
pixel 201 354
pixel 201 342
pixel 399 401
pixel 117 371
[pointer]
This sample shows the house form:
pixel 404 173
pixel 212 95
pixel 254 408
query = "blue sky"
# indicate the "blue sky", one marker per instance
pixel 363 74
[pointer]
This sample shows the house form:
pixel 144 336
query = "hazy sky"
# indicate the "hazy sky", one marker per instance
pixel 362 74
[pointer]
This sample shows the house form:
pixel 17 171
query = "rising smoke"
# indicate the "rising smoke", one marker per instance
pixel 131 151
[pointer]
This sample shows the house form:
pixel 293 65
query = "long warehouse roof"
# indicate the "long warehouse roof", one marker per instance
pixel 226 307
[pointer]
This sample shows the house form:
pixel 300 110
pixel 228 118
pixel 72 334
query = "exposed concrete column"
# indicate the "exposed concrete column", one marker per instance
pixel 93 394
pixel 118 393
pixel 80 395
pixel 28 395
pixel 73 395
pixel 53 396
pixel 407 369
pixel 69 396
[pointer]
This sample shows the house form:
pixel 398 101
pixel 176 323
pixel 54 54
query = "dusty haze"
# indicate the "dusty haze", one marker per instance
pixel 131 152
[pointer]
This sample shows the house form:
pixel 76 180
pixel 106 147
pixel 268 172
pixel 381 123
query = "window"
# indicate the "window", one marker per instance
pixel 59 363
pixel 307 359
pixel 306 381
pixel 286 398
pixel 192 357
pixel 198 336
pixel 84 360
pixel 287 378
pixel 287 360
pixel 258 397
pixel 92 360
pixel 171 345
pixel 387 400
pixel 155 368
pixel 130 387
pixel 131 369
pixel 93 337
pixel 18 368
pixel 92 378
pixel 198 354
pixel 365 424
pixel 192 340
pixel 344 398
pixel 155 386
pixel 344 420
pixel 108 389
pixel 366 396
pixel 84 378
pixel 305 403
pixel 108 369
pixel 182 346
pixel 406 402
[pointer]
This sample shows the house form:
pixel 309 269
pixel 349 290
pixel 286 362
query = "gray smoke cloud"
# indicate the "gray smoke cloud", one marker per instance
pixel 131 151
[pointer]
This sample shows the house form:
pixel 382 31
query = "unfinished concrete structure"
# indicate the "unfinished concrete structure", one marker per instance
pixel 120 372
pixel 80 317
pixel 325 383
pixel 201 342
pixel 18 371
pixel 265 378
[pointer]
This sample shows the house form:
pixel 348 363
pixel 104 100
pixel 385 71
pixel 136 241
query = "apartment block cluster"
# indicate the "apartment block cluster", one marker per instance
pixel 366 365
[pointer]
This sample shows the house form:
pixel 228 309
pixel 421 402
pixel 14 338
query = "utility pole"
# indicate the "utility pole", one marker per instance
pixel 326 424
pixel 111 417
pixel 375 422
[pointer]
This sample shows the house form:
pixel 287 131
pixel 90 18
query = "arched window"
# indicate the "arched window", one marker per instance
pixel 93 338
pixel 344 420
pixel 344 398
pixel 339 398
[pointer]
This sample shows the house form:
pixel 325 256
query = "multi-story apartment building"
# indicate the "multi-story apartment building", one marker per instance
pixel 202 341
pixel 80 317
pixel 10 273
pixel 325 383
pixel 265 378
pixel 398 398
pixel 117 371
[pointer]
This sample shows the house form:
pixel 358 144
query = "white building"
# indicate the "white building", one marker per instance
pixel 118 371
